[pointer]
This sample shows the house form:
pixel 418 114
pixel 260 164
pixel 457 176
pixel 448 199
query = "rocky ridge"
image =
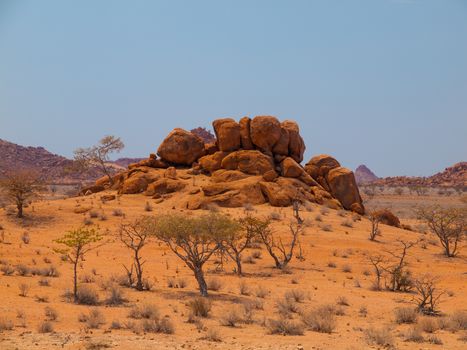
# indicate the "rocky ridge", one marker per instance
pixel 252 161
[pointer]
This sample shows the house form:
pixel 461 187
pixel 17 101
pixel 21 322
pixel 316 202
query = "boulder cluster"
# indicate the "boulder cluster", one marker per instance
pixel 252 161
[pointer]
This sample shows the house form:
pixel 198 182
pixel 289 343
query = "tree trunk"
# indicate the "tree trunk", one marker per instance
pixel 239 266
pixel 75 280
pixel 203 288
pixel 20 210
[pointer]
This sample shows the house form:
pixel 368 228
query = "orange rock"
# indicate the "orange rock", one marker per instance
pixel 227 132
pixel 296 143
pixel 344 187
pixel 245 133
pixel 265 132
pixel 249 162
pixel 181 147
pixel 212 162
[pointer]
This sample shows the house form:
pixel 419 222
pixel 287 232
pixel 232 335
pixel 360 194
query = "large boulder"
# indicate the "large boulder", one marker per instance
pixel 164 186
pixel 265 132
pixel 212 162
pixel 284 191
pixel 232 194
pixel 320 165
pixel 181 147
pixel 138 179
pixel 223 175
pixel 249 162
pixel 282 145
pixel 227 132
pixel 290 168
pixel 245 133
pixel 344 188
pixel 296 143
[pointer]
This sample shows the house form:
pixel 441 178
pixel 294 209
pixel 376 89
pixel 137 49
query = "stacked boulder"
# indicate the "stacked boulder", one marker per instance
pixel 252 161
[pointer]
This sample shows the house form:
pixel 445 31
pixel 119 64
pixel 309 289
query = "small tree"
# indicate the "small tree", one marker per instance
pixel 281 252
pixel 240 239
pixel 449 225
pixel 135 235
pixel 377 262
pixel 375 220
pixel 20 187
pixel 99 154
pixel 194 239
pixel 78 242
pixel 400 277
pixel 428 294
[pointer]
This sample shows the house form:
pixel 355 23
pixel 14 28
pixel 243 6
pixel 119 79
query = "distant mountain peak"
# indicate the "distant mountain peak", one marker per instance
pixel 364 175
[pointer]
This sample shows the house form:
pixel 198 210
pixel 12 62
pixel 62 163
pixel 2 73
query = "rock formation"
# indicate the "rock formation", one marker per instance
pixel 364 175
pixel 252 161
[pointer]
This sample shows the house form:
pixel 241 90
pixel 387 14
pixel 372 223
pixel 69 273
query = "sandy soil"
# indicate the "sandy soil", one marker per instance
pixel 346 247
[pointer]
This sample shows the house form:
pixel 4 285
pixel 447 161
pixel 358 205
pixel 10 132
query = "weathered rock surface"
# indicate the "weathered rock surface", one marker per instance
pixel 249 162
pixel 265 132
pixel 181 147
pixel 344 188
pixel 254 161
pixel 227 132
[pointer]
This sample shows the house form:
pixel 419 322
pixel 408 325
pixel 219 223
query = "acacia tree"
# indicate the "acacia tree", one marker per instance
pixel 135 235
pixel 19 187
pixel 428 294
pixel 375 220
pixel 281 252
pixel 400 277
pixel 449 225
pixel 377 261
pixel 239 239
pixel 99 154
pixel 78 242
pixel 194 239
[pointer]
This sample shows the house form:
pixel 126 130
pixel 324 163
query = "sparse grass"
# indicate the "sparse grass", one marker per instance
pixel 26 238
pixel 244 288
pixel 379 336
pixel 256 254
pixel 321 319
pixel 326 227
pixel 7 269
pixel 230 318
pixel 287 306
pixel 414 334
pixel 115 296
pixel 432 339
pixel 115 324
pixel 148 207
pixel 318 218
pixel 42 298
pixel 146 311
pixel 45 327
pixel 163 325
pixel 405 315
pixel 285 327
pixel 324 210
pixel 428 324
pixel 117 212
pixel 93 214
pixel 212 334
pixel 5 324
pixel 44 282
pixel 342 301
pixel 296 295
pixel 50 313
pixel 95 319
pixel 458 321
pixel 261 292
pixel 346 268
pixel 332 265
pixel 275 216
pixel 214 284
pixel 176 282
pixel 199 307
pixel 24 289
pixel 347 223
pixel 86 278
pixel 87 221
pixel 87 295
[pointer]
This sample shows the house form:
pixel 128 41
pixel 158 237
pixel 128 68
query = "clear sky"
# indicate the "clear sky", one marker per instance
pixel 379 82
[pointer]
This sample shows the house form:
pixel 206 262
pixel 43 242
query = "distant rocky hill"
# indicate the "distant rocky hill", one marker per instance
pixel 51 167
pixel 124 162
pixel 206 135
pixel 454 176
pixel 364 175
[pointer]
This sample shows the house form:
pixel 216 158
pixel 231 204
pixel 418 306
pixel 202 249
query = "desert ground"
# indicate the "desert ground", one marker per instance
pixel 332 268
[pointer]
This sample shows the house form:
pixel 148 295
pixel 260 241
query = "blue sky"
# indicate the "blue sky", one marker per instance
pixel 379 82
